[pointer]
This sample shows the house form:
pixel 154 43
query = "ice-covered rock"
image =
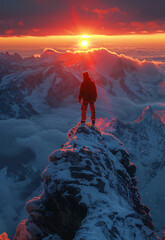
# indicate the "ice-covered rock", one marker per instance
pixel 90 193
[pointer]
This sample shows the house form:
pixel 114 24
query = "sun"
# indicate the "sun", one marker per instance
pixel 84 43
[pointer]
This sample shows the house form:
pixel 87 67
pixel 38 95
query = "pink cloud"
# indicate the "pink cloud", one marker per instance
pixel 35 29
pixel 20 23
pixel 145 25
pixel 101 12
pixel 9 32
pixel 122 23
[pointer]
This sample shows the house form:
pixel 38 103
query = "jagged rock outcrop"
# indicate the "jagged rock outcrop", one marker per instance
pixel 90 193
pixel 145 141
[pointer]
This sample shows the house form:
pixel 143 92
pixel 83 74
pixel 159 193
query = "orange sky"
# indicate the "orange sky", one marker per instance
pixel 29 42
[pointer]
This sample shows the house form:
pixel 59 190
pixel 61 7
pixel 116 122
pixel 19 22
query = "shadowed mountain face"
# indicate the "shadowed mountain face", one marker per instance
pixel 33 85
pixel 145 141
pixel 90 192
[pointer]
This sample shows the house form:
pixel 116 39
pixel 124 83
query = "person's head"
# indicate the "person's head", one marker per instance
pixel 86 76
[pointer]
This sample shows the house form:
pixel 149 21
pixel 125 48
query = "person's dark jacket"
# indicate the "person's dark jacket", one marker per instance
pixel 88 91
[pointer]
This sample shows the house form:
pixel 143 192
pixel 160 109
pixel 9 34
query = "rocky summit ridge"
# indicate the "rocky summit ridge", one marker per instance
pixel 89 193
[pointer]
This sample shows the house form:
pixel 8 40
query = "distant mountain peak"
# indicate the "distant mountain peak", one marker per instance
pixel 147 114
pixel 6 56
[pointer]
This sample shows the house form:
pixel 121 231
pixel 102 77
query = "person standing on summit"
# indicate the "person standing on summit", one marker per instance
pixel 88 95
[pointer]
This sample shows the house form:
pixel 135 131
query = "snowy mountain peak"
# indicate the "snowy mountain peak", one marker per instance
pixel 90 192
pixel 5 56
pixel 147 115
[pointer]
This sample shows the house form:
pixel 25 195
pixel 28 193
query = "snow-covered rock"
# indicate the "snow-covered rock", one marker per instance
pixel 90 192
pixel 145 141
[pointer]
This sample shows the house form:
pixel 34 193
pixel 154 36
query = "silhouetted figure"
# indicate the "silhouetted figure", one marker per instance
pixel 88 94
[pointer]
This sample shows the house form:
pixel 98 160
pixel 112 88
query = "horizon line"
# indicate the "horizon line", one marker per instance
pixel 84 35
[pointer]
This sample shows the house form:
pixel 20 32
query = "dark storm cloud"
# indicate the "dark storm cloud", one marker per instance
pixel 49 17
pixel 32 14
pixel 148 10
pixel 23 8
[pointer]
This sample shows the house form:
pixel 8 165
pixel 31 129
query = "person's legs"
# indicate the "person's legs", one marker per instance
pixel 93 113
pixel 84 107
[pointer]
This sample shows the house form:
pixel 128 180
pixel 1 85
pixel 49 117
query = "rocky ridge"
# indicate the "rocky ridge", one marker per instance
pixel 90 192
